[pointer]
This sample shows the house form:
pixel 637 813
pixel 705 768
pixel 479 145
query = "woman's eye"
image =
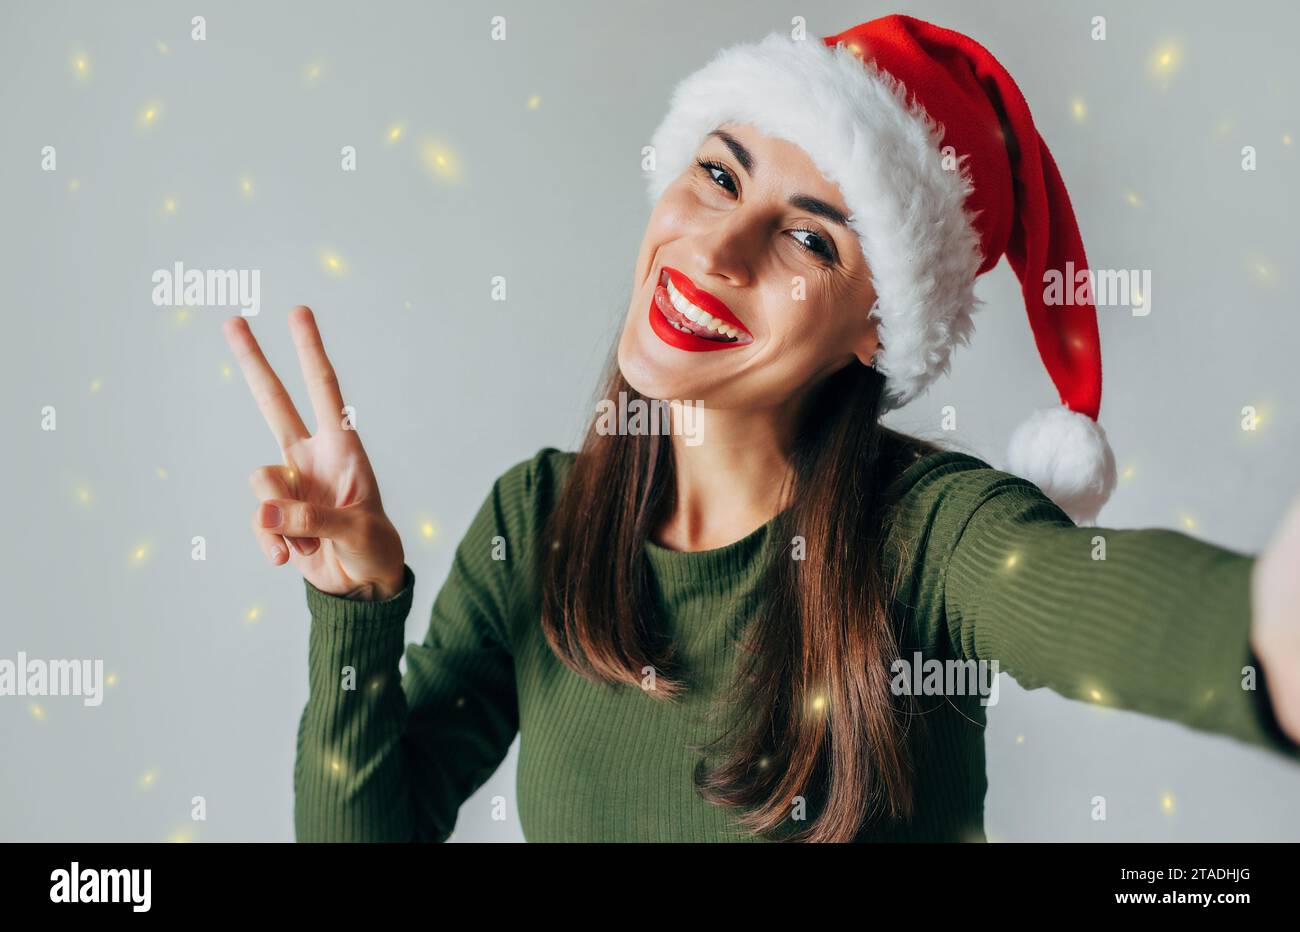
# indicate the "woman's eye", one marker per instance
pixel 713 170
pixel 814 244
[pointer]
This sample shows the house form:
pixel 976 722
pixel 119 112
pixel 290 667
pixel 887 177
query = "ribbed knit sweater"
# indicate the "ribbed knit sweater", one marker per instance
pixel 991 570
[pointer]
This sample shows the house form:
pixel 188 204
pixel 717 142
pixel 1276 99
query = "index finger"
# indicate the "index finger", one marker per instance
pixel 276 405
pixel 322 383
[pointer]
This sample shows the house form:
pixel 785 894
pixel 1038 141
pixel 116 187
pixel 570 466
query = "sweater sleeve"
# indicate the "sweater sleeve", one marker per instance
pixel 394 757
pixel 1150 620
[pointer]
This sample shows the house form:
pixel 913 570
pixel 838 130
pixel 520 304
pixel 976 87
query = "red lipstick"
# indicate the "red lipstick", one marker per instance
pixel 688 318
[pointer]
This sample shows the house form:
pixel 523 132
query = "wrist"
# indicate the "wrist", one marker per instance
pixel 381 590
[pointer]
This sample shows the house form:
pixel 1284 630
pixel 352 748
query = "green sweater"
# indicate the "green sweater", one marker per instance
pixel 994 571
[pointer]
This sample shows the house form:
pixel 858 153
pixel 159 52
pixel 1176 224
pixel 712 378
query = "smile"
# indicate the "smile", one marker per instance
pixel 688 318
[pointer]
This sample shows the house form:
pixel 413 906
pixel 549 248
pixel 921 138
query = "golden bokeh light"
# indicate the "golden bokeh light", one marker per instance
pixel 441 161
pixel 1164 61
pixel 333 263
pixel 80 63
pixel 148 115
pixel 140 554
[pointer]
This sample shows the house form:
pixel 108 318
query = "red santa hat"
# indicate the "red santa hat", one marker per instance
pixel 934 150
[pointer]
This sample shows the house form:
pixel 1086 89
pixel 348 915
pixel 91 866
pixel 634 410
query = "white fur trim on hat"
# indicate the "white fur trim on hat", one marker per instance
pixel 1066 454
pixel 855 123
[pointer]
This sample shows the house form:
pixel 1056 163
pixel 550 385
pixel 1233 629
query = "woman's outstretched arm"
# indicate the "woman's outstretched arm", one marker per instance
pixel 1149 620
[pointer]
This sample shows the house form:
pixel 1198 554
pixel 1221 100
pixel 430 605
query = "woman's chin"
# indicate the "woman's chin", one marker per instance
pixel 647 378
pixel 655 369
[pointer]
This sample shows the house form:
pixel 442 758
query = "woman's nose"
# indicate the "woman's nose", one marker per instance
pixel 729 246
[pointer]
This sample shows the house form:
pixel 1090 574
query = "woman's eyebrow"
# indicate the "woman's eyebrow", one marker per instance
pixel 806 202
pixel 739 151
pixel 819 207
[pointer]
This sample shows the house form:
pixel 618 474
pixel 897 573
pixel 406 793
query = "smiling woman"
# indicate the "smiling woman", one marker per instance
pixel 759 232
pixel 702 641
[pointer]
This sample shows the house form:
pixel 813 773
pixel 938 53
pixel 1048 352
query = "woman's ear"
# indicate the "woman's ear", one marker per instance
pixel 868 346
pixel 869 358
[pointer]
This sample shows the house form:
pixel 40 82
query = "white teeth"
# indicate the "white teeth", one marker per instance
pixel 696 315
pixel 690 311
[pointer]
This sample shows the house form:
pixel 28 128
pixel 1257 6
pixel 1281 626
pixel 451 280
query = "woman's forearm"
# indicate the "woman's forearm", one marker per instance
pixel 351 774
pixel 1149 620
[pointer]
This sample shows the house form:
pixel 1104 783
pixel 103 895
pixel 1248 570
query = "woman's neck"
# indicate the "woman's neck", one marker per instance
pixel 730 484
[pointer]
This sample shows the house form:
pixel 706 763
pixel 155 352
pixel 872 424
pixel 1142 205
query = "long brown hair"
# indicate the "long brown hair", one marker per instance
pixel 813 714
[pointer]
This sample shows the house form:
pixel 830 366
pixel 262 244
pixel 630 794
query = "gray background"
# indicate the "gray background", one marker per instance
pixel 455 388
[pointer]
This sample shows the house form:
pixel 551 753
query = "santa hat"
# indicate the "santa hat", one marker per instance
pixel 934 150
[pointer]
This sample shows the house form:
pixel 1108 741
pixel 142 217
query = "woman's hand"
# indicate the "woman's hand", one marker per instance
pixel 323 503
pixel 1275 625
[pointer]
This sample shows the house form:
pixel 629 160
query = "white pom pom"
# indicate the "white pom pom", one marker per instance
pixel 1065 454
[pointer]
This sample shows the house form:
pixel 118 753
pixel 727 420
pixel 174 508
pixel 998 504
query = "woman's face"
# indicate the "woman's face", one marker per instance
pixel 755 240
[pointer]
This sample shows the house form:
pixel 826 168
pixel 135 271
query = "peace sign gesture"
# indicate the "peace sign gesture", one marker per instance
pixel 323 502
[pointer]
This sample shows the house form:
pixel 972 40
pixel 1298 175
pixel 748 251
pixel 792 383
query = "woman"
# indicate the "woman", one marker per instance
pixel 752 634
